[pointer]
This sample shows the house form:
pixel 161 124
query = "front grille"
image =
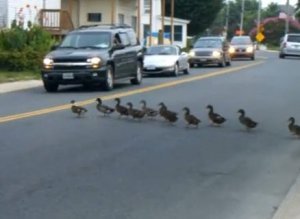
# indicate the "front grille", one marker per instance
pixel 240 50
pixel 203 53
pixel 68 60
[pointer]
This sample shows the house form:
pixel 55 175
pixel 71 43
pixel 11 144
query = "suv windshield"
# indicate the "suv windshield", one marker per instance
pixel 208 43
pixel 97 40
pixel 294 38
pixel 241 41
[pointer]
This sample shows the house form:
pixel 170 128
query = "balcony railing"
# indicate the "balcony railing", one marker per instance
pixel 57 22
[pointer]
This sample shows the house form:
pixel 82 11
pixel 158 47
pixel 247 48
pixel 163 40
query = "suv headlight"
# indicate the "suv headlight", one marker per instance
pixel 192 53
pixel 95 62
pixel 48 62
pixel 216 54
pixel 249 49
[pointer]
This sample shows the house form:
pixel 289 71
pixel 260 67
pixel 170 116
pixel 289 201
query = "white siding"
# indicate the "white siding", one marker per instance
pixel 3 13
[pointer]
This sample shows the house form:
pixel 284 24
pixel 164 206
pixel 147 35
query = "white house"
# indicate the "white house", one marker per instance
pixel 23 10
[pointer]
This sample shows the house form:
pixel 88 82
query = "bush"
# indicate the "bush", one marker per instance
pixel 24 49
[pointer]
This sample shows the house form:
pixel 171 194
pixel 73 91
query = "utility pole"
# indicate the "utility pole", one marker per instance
pixel 172 21
pixel 44 4
pixel 258 17
pixel 163 11
pixel 150 23
pixel 287 16
pixel 242 17
pixel 227 19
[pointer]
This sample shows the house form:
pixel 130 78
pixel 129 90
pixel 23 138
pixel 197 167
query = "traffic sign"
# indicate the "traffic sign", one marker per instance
pixel 260 37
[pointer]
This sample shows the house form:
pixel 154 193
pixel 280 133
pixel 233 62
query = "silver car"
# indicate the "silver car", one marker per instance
pixel 210 50
pixel 290 45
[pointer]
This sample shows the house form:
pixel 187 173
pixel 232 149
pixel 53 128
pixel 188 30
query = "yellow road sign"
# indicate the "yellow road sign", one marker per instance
pixel 260 37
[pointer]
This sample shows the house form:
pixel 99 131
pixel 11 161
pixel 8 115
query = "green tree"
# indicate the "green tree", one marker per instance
pixel 200 13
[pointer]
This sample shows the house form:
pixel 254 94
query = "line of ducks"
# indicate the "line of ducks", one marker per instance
pixel 170 116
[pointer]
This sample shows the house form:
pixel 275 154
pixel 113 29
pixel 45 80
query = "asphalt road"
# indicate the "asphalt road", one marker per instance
pixel 58 166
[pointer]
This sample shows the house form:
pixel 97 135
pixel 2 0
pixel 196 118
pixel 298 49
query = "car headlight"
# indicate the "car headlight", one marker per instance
pixel 249 49
pixel 192 53
pixel 231 49
pixel 48 62
pixel 95 62
pixel 216 54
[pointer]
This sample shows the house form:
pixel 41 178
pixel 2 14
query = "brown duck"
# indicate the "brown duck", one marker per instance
pixel 246 121
pixel 189 118
pixel 215 118
pixel 122 110
pixel 79 110
pixel 106 110
pixel 135 113
pixel 166 114
pixel 148 111
pixel 295 129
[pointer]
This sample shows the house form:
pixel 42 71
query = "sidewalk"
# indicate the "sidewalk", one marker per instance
pixel 19 85
pixel 290 207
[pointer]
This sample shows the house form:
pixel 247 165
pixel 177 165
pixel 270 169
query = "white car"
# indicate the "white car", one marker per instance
pixel 167 59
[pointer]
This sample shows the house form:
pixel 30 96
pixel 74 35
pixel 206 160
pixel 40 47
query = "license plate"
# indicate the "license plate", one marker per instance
pixel 151 68
pixel 68 76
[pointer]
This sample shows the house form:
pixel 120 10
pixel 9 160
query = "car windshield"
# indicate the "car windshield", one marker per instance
pixel 92 40
pixel 208 43
pixel 241 41
pixel 294 38
pixel 161 50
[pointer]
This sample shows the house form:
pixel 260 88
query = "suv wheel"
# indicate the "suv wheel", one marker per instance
pixel 50 86
pixel 109 79
pixel 187 70
pixel 281 56
pixel 138 75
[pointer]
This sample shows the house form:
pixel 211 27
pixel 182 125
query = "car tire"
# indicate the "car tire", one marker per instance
pixel 192 65
pixel 253 58
pixel 228 63
pixel 50 86
pixel 176 70
pixel 138 75
pixel 109 78
pixel 281 56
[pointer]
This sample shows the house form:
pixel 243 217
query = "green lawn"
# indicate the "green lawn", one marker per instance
pixel 8 76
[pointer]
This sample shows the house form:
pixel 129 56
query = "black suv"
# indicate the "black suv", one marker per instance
pixel 100 54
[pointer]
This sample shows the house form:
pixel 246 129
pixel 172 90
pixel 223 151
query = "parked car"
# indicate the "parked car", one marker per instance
pixel 290 45
pixel 166 59
pixel 242 47
pixel 210 50
pixel 99 54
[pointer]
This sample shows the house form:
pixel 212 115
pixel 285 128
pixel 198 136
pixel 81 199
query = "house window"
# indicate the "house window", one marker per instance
pixel 121 18
pixel 177 32
pixel 94 17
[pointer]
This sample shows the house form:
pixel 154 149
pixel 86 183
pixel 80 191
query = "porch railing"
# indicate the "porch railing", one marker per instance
pixel 57 22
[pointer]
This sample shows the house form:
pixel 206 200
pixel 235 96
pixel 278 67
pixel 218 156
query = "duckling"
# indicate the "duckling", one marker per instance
pixel 106 110
pixel 135 113
pixel 295 129
pixel 122 110
pixel 189 118
pixel 168 115
pixel 215 118
pixel 149 112
pixel 246 121
pixel 79 110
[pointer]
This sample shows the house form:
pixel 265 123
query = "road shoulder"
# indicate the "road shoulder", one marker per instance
pixel 19 85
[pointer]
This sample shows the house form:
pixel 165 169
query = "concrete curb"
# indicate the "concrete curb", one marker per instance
pixel 19 85
pixel 290 206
